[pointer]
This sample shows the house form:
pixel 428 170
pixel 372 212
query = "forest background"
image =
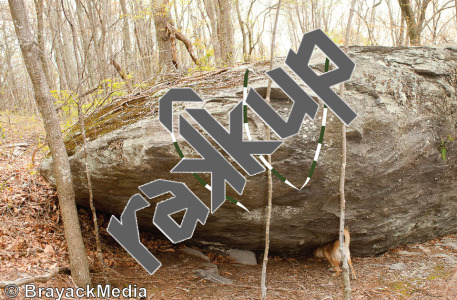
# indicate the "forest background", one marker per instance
pixel 130 45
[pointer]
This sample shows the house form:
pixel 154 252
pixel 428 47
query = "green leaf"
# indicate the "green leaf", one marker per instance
pixel 443 153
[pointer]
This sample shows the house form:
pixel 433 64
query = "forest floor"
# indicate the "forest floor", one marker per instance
pixel 32 243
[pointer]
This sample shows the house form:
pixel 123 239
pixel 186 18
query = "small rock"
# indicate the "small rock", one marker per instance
pixel 17 151
pixel 195 252
pixel 244 257
pixel 426 250
pixel 428 69
pixel 328 284
pixel 209 265
pixel 397 266
pixel 451 245
pixel 212 275
pixel 451 260
pixel 407 253
pixel 49 250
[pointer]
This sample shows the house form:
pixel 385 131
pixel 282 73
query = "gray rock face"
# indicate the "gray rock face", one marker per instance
pixel 398 188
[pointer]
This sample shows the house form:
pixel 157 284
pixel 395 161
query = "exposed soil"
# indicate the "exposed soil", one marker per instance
pixel 30 225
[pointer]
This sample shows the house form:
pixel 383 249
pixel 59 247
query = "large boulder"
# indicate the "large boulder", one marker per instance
pixel 398 187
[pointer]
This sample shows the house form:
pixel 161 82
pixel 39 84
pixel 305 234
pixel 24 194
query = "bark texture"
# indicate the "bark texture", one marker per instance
pixel 164 42
pixel 414 20
pixel 344 257
pixel 126 36
pixel 225 32
pixel 61 167
pixel 222 32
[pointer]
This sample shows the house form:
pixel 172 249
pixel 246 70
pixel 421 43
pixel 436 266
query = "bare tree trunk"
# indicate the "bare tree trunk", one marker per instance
pixel 373 21
pixel 225 32
pixel 393 31
pixel 142 57
pixel 40 40
pixel 126 37
pixel 345 267
pixel 97 19
pixel 243 31
pixel 161 18
pixel 77 253
pixel 401 41
pixel 87 52
pixel 211 12
pixel 270 180
pixel 413 29
pixel 83 134
pixel 56 49
pixel 167 35
pixel 149 45
pixel 107 45
pixel 68 59
pixel 10 78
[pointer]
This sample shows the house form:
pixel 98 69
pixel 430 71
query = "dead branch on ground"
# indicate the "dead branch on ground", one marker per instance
pixel 38 278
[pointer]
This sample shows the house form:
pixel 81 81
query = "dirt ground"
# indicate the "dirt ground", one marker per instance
pixel 32 243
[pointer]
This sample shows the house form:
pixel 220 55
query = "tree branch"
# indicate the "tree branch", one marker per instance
pixel 38 278
pixel 180 36
pixel 122 74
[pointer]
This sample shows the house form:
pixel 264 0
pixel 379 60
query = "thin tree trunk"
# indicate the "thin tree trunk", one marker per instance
pixel 142 59
pixel 149 46
pixel 9 52
pixel 52 18
pixel 373 21
pixel 77 253
pixel 413 29
pixel 83 134
pixel 87 52
pixel 345 267
pixel 243 31
pixel 107 46
pixel 393 31
pixel 300 22
pixel 68 60
pixel 126 37
pixel 40 40
pixel 270 180
pixel 211 12
pixel 401 41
